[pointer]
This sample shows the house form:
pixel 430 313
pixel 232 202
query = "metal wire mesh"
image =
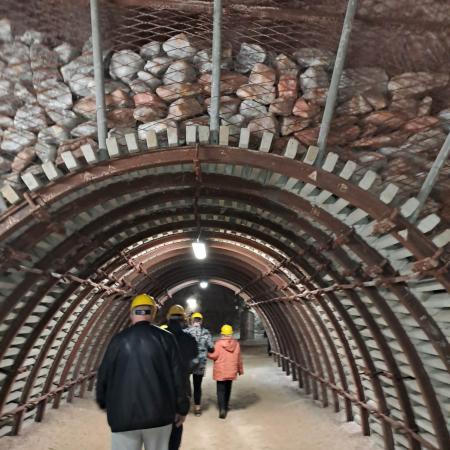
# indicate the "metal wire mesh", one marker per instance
pixel 392 114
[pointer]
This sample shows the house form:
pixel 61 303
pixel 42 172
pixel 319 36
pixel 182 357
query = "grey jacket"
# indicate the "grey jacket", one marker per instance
pixel 205 343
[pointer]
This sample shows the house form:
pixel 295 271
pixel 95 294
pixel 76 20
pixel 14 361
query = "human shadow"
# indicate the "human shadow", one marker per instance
pixel 244 401
pixel 237 401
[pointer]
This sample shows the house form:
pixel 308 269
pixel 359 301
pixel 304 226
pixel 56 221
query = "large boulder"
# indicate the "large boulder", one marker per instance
pixel 150 50
pixel 31 118
pixel 251 109
pixel 157 66
pixel 16 140
pixel 265 123
pixel 413 84
pixel 54 94
pixel 229 106
pixel 179 72
pixel 125 64
pixel 174 91
pixel 362 79
pixel 179 47
pixel 262 74
pixel 262 93
pixel 229 82
pixel 248 56
pixel 314 83
pixel 314 57
pixel 185 108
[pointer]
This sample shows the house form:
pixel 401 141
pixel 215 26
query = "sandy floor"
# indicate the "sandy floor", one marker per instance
pixel 267 413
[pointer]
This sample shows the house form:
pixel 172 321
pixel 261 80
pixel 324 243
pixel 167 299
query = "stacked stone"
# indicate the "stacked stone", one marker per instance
pixel 47 101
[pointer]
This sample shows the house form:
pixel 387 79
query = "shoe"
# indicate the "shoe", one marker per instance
pixel 197 410
pixel 222 414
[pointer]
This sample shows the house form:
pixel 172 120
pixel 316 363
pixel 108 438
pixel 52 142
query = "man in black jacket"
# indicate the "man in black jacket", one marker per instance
pixel 189 354
pixel 142 382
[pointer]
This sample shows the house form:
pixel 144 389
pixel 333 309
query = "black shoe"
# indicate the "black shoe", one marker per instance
pixel 222 414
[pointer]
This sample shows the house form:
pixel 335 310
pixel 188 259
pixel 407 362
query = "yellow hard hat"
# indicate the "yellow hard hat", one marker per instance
pixel 175 310
pixel 227 330
pixel 197 315
pixel 142 300
pixel 164 326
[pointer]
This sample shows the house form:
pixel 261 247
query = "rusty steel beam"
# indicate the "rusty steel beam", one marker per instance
pixel 43 354
pixel 56 361
pixel 32 404
pixel 121 322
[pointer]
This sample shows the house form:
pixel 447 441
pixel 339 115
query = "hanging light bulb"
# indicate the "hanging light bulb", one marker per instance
pixel 203 284
pixel 199 249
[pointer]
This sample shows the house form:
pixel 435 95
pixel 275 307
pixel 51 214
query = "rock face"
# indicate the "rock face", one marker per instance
pixel 47 98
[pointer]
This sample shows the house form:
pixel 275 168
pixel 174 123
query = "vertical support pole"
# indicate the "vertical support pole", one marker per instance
pixel 431 178
pixel 98 76
pixel 216 62
pixel 335 79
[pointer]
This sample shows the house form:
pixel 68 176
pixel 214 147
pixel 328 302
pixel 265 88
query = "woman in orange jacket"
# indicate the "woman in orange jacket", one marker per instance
pixel 227 365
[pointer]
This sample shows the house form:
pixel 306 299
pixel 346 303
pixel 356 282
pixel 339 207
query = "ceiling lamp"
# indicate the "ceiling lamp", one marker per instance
pixel 199 249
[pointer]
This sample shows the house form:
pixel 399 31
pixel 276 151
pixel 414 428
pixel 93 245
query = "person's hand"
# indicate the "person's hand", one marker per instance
pixel 179 420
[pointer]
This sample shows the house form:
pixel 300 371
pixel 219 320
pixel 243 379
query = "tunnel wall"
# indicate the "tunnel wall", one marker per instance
pixel 359 327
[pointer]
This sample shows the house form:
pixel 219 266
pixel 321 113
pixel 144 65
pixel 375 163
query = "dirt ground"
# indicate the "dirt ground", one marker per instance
pixel 268 412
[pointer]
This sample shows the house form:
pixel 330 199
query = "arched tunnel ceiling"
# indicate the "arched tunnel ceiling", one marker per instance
pixel 350 292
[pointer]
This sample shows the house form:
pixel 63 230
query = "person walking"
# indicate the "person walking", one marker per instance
pixel 205 344
pixel 227 365
pixel 176 319
pixel 141 382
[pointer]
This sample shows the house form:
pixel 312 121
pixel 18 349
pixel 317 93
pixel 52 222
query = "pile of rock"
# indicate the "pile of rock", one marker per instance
pixel 47 100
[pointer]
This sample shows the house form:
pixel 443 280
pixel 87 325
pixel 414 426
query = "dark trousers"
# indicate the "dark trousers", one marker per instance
pixel 223 394
pixel 175 437
pixel 197 381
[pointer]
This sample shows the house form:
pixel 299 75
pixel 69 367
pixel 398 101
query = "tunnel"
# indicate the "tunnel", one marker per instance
pixel 336 255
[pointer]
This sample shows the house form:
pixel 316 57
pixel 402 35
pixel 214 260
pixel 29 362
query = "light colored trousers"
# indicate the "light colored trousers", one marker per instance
pixel 151 438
